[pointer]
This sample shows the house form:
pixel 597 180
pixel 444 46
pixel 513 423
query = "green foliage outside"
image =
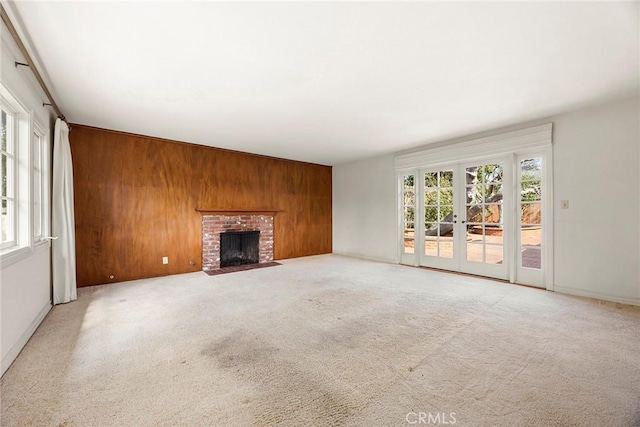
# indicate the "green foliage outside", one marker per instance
pixel 483 187
pixel 409 196
pixel 438 190
pixel 530 186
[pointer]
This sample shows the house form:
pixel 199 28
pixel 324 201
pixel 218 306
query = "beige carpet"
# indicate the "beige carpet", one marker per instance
pixel 328 340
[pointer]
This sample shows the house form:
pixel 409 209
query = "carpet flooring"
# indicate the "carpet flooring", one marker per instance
pixel 328 340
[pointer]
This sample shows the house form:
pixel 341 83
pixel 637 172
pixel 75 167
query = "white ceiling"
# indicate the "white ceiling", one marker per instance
pixel 328 82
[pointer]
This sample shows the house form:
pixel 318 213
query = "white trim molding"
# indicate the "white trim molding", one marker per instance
pixel 536 137
pixel 364 257
pixel 567 290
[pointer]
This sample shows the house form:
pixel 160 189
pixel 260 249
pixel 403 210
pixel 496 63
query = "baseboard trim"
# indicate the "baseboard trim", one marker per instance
pixel 597 295
pixel 368 258
pixel 11 356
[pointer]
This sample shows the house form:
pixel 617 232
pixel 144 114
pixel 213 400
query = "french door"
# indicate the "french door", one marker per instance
pixel 476 217
pixel 464 217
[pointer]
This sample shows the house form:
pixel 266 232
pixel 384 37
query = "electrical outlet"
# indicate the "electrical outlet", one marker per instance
pixel 165 260
pixel 564 204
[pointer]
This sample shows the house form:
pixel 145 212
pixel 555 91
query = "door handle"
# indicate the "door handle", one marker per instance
pixel 48 238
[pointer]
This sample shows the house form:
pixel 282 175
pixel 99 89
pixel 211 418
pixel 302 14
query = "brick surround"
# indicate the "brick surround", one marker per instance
pixel 213 225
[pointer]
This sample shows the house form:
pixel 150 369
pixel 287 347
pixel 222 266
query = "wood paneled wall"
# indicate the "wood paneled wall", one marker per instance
pixel 135 201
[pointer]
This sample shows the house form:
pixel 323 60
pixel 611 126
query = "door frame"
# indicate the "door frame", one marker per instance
pixel 544 277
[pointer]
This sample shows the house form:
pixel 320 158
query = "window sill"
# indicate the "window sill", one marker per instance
pixel 41 244
pixel 13 255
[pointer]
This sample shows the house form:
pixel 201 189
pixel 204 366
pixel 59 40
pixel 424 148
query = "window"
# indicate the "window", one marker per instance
pixel 408 216
pixel 40 184
pixel 24 170
pixel 9 185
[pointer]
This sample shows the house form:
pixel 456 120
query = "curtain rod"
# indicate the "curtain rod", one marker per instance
pixel 30 62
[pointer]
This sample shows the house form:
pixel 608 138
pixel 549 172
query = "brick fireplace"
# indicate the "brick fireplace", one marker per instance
pixel 213 224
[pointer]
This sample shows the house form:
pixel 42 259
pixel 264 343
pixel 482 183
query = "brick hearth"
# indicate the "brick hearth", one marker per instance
pixel 213 225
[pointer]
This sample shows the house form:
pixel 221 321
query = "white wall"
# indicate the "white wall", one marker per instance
pixel 364 209
pixel 596 168
pixel 26 299
pixel 597 240
pixel 25 292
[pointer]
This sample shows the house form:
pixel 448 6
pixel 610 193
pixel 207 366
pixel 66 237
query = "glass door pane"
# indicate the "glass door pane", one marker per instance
pixel 531 213
pixel 484 213
pixel 439 218
pixel 408 213
pixel 530 221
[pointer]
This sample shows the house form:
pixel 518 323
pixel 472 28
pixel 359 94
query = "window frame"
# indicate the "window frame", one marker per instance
pixel 24 124
pixel 41 165
pixel 12 176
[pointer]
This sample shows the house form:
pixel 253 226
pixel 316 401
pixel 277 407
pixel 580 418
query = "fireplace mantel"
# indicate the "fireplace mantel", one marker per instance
pixel 237 211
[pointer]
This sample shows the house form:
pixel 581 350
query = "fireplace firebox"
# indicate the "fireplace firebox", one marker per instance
pixel 217 223
pixel 239 248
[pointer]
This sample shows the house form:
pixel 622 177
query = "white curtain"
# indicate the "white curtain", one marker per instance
pixel 63 227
